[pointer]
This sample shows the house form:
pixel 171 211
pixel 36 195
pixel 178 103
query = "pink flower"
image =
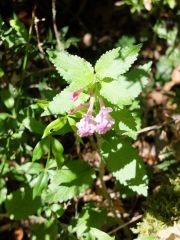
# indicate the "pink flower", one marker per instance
pixel 74 95
pixel 104 121
pixel 86 126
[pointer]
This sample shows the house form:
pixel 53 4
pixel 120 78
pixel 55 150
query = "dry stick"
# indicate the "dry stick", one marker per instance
pixel 157 127
pixel 134 219
pixel 150 128
pixel 36 20
pixel 57 35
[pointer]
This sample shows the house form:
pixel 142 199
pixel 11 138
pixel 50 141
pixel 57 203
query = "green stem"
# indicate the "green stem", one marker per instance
pixel 25 61
pixel 107 196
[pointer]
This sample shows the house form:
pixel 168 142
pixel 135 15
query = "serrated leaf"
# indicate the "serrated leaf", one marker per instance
pixel 108 64
pixel 116 93
pixel 40 183
pixel 137 79
pixel 54 126
pixel 126 122
pixel 20 204
pixel 75 70
pixel 116 62
pixel 70 181
pixel 85 219
pixel 41 148
pixel 62 103
pixel 122 91
pixel 125 163
pixel 57 151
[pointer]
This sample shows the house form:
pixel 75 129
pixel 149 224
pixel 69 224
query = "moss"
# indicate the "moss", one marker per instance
pixel 149 226
pixel 163 208
pixel 164 204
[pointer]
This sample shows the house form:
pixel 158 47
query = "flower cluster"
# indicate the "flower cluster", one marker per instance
pixel 88 125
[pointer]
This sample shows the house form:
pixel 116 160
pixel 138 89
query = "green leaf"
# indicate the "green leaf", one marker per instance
pixel 171 3
pixel 1 72
pixel 54 126
pixel 137 79
pixel 160 29
pixel 44 231
pixel 122 91
pixel 75 70
pixel 4 116
pixel 108 64
pixel 33 125
pixel 125 40
pixel 125 163
pixel 72 123
pixel 19 27
pixel 41 148
pixel 20 204
pixel 116 62
pixel 61 103
pixel 126 122
pixel 40 183
pixel 30 168
pixel 57 150
pixel 3 191
pixel 70 181
pixel 166 64
pixel 7 98
pixel 116 93
pixel 85 219
pixel 42 103
pixel 100 234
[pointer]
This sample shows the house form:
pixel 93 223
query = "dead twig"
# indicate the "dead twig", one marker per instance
pixel 134 219
pixel 174 119
pixel 150 128
pixel 56 32
pixel 36 20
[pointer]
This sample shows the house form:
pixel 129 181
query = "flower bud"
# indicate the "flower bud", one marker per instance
pixel 74 95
